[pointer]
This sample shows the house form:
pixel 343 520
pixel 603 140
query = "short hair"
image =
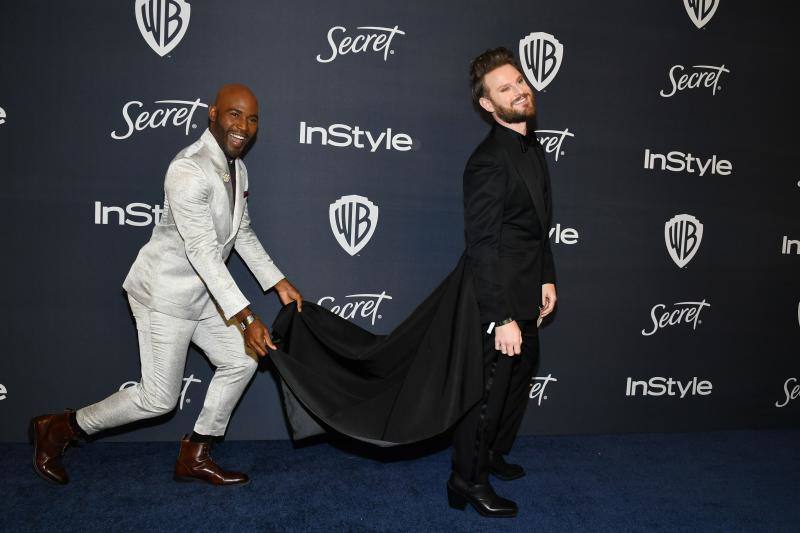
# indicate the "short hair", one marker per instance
pixel 485 63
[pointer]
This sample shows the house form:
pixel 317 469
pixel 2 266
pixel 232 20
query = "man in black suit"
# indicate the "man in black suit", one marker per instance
pixel 507 206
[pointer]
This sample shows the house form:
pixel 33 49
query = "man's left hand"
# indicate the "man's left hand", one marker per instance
pixel 288 293
pixel 548 299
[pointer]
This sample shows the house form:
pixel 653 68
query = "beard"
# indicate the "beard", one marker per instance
pixel 513 116
pixel 222 136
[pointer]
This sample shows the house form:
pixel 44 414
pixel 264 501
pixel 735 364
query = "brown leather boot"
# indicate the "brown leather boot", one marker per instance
pixel 50 436
pixel 194 464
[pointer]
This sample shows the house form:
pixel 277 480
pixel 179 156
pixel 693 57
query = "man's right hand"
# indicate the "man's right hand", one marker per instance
pixel 508 339
pixel 256 335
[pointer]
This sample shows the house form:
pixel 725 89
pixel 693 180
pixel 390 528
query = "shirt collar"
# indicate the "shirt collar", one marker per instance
pixel 512 138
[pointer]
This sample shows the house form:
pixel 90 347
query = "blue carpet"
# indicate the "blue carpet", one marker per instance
pixel 725 481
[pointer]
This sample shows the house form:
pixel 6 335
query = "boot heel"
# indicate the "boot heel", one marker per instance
pixel 456 500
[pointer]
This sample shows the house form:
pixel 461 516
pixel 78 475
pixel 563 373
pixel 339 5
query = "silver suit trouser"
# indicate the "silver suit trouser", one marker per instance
pixel 163 344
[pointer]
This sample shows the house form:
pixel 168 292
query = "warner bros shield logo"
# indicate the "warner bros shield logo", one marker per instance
pixel 353 221
pixel 683 234
pixel 163 23
pixel 540 54
pixel 701 11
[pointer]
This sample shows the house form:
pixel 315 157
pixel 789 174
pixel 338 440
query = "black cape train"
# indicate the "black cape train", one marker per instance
pixel 387 390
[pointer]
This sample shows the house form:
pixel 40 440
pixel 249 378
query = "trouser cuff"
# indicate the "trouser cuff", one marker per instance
pixel 75 427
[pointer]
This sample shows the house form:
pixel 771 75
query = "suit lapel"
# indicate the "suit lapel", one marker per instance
pixel 534 185
pixel 544 184
pixel 219 167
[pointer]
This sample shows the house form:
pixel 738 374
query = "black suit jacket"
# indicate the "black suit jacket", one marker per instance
pixel 507 209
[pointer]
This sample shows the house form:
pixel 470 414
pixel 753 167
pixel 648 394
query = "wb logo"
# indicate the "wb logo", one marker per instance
pixel 353 220
pixel 163 23
pixel 683 234
pixel 540 54
pixel 701 11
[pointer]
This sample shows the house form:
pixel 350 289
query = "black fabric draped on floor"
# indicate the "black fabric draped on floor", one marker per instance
pixel 399 388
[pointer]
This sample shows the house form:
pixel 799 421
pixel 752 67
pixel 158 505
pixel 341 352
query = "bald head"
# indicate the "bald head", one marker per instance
pixel 233 118
pixel 234 91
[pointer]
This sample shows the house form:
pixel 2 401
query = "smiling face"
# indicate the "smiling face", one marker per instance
pixel 508 98
pixel 233 119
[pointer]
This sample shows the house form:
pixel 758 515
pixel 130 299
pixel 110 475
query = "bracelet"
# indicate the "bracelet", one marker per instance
pixel 503 322
pixel 249 319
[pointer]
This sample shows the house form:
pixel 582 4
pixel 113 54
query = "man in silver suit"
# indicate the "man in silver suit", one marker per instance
pixel 181 292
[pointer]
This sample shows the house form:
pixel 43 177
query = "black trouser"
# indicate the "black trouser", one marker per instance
pixel 492 424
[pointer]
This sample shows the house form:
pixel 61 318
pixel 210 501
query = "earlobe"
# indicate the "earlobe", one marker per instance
pixel 486 104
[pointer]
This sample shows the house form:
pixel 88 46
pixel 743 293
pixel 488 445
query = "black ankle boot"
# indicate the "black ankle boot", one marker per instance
pixel 481 496
pixel 503 470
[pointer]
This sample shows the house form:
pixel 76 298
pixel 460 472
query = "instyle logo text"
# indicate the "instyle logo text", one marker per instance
pixel 344 136
pixel 563 235
pixel 659 386
pixel 790 246
pixel 675 161
pixel 135 214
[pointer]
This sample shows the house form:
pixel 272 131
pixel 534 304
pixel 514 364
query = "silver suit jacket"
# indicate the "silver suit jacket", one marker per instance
pixel 181 271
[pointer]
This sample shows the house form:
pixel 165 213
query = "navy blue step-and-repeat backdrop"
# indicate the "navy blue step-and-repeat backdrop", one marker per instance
pixel 669 128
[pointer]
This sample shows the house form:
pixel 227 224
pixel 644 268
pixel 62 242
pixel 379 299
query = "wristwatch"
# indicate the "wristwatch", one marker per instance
pixel 249 319
pixel 503 322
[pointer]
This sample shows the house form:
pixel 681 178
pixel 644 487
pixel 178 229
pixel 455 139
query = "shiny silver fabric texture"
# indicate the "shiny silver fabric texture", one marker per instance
pixel 163 344
pixel 180 292
pixel 183 265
